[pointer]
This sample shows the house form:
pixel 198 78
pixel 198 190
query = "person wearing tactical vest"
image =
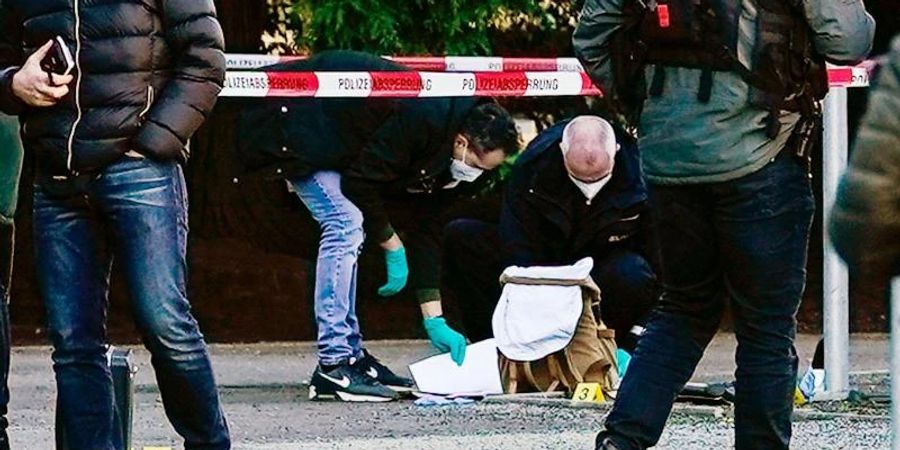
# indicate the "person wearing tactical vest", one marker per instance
pixel 10 169
pixel 724 96
pixel 575 192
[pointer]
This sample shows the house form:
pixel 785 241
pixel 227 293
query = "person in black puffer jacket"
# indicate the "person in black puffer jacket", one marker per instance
pixel 108 139
pixel 148 72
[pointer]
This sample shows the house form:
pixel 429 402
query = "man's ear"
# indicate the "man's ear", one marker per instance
pixel 460 141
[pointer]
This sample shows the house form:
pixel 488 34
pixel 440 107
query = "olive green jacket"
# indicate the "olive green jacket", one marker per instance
pixel 687 141
pixel 865 222
pixel 10 166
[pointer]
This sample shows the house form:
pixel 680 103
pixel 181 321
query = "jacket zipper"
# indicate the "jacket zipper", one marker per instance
pixel 71 142
pixel 150 95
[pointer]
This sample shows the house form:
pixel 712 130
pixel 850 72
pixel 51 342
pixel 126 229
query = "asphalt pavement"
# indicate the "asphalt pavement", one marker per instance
pixel 264 397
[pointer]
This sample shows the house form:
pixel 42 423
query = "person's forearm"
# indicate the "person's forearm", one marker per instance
pixel 366 196
pixel 431 309
pixel 393 243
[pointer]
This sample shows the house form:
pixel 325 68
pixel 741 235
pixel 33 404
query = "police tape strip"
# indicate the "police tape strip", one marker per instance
pixel 441 84
pixel 838 76
pixel 848 77
pixel 432 64
pixel 407 84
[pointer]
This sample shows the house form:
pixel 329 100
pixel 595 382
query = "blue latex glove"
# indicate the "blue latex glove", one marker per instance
pixel 623 360
pixel 446 339
pixel 397 272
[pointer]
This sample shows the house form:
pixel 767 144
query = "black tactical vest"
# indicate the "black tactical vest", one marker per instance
pixel 785 73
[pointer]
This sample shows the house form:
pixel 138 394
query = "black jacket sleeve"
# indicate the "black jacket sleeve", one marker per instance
pixel 422 241
pixel 384 159
pixel 11 57
pixel 196 39
pixel 516 234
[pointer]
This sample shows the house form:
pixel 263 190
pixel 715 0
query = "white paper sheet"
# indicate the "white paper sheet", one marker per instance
pixel 479 374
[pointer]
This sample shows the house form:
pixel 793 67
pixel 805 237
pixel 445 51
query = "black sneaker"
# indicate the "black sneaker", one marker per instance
pixel 606 444
pixel 348 384
pixel 370 366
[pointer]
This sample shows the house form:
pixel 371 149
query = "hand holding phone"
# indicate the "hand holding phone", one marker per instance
pixel 58 60
pixel 32 84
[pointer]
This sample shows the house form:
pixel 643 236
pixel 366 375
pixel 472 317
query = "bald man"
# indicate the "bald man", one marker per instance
pixel 576 191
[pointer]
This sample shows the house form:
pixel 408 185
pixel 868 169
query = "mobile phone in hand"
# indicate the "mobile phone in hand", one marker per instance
pixel 59 59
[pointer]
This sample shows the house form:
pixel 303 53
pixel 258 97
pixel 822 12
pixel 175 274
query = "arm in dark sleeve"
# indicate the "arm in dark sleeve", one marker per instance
pixel 422 242
pixel 865 221
pixel 11 58
pixel 383 160
pixel 195 37
pixel 424 237
pixel 520 242
pixel 599 20
pixel 843 31
pixel 643 239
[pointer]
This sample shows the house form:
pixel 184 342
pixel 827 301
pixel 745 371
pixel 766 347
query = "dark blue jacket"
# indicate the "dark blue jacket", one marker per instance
pixel 546 220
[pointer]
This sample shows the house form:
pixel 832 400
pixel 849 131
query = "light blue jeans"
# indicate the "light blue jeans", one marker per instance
pixel 341 223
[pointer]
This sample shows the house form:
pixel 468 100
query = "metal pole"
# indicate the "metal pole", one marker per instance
pixel 895 364
pixel 835 278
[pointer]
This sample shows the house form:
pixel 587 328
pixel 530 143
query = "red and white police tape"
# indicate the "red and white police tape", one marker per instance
pixel 432 63
pixel 441 84
pixel 443 76
pixel 407 84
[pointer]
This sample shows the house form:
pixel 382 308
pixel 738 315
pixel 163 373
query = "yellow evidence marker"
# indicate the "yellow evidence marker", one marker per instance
pixel 588 392
pixel 799 398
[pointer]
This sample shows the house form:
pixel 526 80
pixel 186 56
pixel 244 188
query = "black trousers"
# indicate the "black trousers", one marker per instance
pixel 746 238
pixel 472 267
pixel 6 256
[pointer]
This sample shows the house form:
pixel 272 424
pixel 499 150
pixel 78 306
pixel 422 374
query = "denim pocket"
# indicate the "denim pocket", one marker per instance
pixel 65 187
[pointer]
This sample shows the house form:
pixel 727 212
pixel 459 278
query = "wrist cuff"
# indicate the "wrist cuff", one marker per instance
pixel 385 234
pixel 428 295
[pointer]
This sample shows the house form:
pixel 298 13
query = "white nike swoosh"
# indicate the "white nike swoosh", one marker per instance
pixel 372 373
pixel 343 382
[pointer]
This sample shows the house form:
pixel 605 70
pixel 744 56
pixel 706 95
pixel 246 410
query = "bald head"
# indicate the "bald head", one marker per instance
pixel 589 148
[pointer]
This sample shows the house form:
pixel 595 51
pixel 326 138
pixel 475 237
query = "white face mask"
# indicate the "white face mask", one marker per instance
pixel 590 190
pixel 461 171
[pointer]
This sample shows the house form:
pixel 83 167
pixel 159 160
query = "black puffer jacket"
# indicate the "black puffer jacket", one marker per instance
pixel 147 74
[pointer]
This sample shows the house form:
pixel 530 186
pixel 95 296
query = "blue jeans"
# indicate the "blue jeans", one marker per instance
pixel 743 241
pixel 135 213
pixel 337 265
